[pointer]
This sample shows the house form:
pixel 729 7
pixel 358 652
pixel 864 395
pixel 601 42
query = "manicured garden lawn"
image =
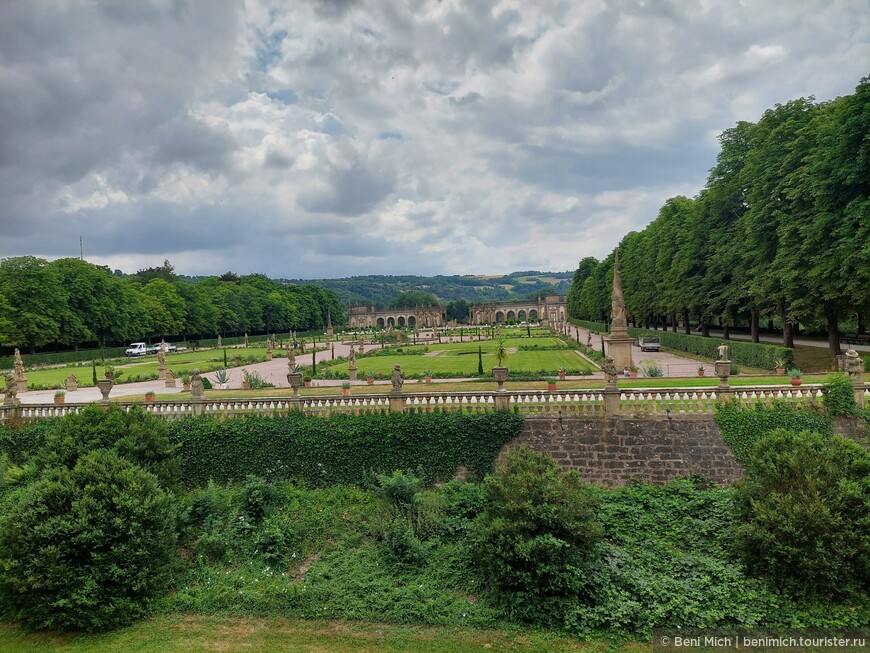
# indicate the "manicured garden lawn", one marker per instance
pixel 177 362
pixel 206 634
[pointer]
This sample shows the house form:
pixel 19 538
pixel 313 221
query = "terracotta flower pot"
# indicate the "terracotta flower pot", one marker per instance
pixel 796 381
pixel 149 397
pixel 58 400
pixel 345 392
pixel 427 379
pixel 551 387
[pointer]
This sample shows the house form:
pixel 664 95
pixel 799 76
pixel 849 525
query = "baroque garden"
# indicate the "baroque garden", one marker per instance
pixel 489 465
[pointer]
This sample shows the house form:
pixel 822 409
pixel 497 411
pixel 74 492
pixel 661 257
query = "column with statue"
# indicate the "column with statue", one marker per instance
pixel 619 342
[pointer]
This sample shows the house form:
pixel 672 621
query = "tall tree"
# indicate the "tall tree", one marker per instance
pixel 38 300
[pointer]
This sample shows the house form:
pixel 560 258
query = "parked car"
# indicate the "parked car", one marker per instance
pixel 137 349
pixel 649 343
pixel 153 349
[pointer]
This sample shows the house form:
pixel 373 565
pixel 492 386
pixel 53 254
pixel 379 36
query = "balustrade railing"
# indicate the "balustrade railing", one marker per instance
pixel 531 403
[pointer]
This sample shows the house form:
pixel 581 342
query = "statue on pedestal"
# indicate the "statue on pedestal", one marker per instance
pixel 853 365
pixel 610 373
pixel 397 378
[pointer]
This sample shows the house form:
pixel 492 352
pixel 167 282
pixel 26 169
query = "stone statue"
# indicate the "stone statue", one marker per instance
pixel 197 389
pixel 291 355
pixel 852 365
pixel 220 342
pixel 352 356
pixel 610 373
pixel 19 365
pixel 11 386
pixel 617 310
pixel 72 383
pixel 723 352
pixel 161 357
pixel 269 346
pixel 246 340
pixel 398 378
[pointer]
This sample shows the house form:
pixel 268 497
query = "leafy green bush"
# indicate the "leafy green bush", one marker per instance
pixel 256 496
pixel 87 548
pixel 803 514
pixel 341 448
pixel 750 354
pixel 742 428
pixel 600 327
pixel 133 434
pixel 838 395
pixel 532 540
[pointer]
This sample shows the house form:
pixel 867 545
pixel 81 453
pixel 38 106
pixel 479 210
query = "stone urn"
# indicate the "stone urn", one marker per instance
pixel 295 381
pixel 723 371
pixel 105 386
pixel 500 374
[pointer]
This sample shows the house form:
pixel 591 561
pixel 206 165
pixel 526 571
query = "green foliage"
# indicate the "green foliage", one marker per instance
pixel 341 448
pixel 750 354
pixel 534 535
pixel 86 548
pixel 742 428
pixel 838 395
pixel 133 434
pixel 803 514
pixel 600 327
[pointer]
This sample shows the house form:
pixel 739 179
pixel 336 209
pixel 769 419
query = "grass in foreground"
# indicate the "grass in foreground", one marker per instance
pixel 195 634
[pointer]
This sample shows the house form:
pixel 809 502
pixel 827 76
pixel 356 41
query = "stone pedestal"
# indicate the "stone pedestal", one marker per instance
pixel 161 373
pixel 22 384
pixel 197 407
pixel 397 403
pixel 72 383
pixel 619 349
pixel 11 402
pixel 351 372
pixel 859 393
pixel 502 403
pixel 611 401
pixel 170 380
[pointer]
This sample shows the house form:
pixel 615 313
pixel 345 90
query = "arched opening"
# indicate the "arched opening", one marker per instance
pixel 380 323
pixel 521 316
pixel 511 316
pixel 561 314
pixel 391 322
pixel 499 317
pixel 533 315
pixel 401 322
pixel 412 322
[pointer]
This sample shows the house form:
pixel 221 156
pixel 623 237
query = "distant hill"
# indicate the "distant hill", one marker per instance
pixel 381 289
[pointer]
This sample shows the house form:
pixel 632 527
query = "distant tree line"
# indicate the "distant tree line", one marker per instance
pixel 69 302
pixel 780 231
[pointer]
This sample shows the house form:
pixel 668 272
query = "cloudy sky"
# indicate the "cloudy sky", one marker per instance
pixel 324 138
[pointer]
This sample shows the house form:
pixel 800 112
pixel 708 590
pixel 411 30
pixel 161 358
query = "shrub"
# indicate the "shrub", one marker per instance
pixel 88 547
pixel 256 496
pixel 533 537
pixel 838 395
pixel 803 514
pixel 400 488
pixel 134 435
pixel 652 369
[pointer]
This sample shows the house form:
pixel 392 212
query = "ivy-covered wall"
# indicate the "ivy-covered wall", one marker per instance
pixel 342 448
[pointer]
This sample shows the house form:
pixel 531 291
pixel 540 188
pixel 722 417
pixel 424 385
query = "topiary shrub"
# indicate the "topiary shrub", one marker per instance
pixel 532 540
pixel 86 548
pixel 803 514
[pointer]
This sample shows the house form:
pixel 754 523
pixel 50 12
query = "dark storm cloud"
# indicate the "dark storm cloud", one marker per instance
pixel 332 137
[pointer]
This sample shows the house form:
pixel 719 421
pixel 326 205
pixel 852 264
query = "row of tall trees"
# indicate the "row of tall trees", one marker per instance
pixel 780 231
pixel 70 302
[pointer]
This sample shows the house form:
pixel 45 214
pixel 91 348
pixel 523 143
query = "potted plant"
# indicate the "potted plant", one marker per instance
pixel 795 376
pixel 427 376
pixel 306 381
pixel 185 381
pixel 370 378
pixel 345 388
pixel 149 396
pixel 780 366
pixel 59 397
pixel 562 373
pixel 551 384
pixel 222 377
pixel 246 380
pixel 632 371
pixel 700 370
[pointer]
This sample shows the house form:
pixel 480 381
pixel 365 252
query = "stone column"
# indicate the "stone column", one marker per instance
pixel 859 392
pixel 619 342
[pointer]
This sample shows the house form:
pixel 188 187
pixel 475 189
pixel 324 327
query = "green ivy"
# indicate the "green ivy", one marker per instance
pixel 341 448
pixel 742 428
pixel 750 354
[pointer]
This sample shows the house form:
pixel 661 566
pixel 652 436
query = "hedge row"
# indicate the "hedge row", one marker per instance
pixel 49 358
pixel 340 449
pixel 742 428
pixel 750 354
pixel 600 327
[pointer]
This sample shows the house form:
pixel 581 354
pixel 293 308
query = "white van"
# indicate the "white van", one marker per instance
pixel 136 349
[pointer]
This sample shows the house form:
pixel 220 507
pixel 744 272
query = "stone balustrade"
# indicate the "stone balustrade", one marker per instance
pixel 531 403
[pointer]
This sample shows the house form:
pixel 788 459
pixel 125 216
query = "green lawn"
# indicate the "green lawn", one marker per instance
pixel 197 634
pixel 143 367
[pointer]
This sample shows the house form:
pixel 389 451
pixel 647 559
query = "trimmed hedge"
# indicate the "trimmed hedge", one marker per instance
pixel 600 327
pixel 751 354
pixel 342 448
pixel 58 358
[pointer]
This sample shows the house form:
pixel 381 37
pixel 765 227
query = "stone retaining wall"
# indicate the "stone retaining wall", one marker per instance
pixel 614 451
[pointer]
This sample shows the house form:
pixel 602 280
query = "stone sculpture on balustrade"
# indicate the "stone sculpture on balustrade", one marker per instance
pixel 619 342
pixel 161 362
pixel 20 377
pixel 11 390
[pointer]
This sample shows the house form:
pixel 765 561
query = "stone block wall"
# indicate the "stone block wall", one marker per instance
pixel 615 450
